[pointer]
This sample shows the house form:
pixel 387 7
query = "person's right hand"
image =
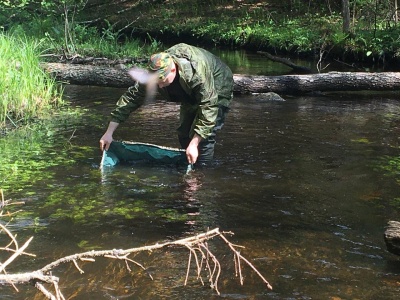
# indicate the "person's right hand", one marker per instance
pixel 105 141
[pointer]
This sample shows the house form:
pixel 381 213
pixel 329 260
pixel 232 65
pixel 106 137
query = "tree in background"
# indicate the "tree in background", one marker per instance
pixel 346 16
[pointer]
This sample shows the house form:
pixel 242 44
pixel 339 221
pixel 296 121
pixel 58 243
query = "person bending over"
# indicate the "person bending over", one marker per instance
pixel 196 78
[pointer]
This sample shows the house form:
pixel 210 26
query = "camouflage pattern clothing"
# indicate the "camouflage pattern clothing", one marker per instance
pixel 203 86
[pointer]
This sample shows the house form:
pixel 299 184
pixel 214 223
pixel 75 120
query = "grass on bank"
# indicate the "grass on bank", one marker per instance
pixel 56 40
pixel 26 91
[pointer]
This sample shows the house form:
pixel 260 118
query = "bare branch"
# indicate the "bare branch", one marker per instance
pixel 197 245
pixel 15 255
pixel 119 252
pixel 27 277
pixel 239 256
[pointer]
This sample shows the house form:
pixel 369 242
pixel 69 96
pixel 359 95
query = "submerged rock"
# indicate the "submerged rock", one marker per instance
pixel 270 96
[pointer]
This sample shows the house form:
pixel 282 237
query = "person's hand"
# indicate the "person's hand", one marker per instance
pixel 192 151
pixel 107 138
pixel 105 141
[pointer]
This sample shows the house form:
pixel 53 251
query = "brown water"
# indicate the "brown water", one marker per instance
pixel 299 183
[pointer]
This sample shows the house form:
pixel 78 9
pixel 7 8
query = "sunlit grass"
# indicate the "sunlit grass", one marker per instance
pixel 84 40
pixel 26 91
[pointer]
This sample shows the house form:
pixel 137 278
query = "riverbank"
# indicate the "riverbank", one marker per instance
pixel 313 31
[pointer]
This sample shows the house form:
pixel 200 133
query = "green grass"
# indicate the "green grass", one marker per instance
pixel 26 91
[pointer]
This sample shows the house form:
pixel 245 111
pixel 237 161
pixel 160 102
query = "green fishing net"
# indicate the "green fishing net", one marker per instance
pixel 123 151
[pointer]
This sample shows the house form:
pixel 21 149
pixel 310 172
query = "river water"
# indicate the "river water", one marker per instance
pixel 306 185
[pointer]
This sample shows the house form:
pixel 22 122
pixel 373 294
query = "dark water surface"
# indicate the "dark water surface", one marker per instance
pixel 299 182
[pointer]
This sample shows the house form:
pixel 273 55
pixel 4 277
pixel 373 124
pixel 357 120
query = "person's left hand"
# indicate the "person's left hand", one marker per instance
pixel 192 152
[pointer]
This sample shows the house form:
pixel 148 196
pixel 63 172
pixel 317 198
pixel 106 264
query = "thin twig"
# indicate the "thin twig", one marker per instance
pixel 11 120
pixel 72 135
pixel 13 250
pixel 188 266
pixel 246 261
pixel 193 250
pixel 237 254
pixel 2 199
pixel 217 268
pixel 44 291
pixel 77 266
pixel 16 254
pixel 58 291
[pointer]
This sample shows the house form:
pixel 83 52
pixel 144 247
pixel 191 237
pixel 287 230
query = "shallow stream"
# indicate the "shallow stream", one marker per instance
pixel 306 185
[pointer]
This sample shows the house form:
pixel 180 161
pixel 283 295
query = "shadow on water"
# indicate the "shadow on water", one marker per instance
pixel 304 184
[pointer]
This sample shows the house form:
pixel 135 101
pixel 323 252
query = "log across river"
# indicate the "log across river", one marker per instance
pixel 244 84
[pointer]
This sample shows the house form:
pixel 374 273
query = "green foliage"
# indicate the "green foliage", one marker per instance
pixel 391 165
pixel 299 26
pixel 14 4
pixel 25 89
pixel 87 41
pixel 376 44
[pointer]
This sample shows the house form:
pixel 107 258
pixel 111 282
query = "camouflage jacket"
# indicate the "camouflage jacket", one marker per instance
pixel 206 80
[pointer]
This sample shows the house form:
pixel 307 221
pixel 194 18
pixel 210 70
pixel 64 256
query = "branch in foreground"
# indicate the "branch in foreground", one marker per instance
pixel 198 249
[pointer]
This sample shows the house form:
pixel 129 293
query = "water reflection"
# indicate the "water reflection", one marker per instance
pixel 192 185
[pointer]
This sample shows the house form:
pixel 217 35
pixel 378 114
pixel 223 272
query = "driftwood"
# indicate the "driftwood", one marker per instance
pixel 296 68
pixel 392 237
pixel 200 256
pixel 244 84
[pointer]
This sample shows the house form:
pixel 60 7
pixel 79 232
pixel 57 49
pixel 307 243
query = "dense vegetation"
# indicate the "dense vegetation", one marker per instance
pixel 26 91
pixel 354 31
pixel 368 29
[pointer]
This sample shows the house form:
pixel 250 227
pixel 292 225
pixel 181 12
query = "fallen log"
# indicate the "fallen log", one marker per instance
pixel 80 74
pixel 323 82
pixel 392 237
pixel 244 84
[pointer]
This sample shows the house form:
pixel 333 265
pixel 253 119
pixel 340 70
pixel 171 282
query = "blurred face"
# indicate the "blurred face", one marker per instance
pixel 167 80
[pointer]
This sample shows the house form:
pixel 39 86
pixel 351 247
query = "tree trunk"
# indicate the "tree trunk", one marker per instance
pixel 244 84
pixel 346 16
pixel 392 237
